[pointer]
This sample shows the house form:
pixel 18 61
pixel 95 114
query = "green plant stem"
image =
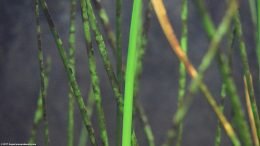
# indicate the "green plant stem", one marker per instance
pixel 131 72
pixel 106 24
pixel 72 49
pixel 70 74
pixel 239 118
pixel 90 106
pixel 42 75
pixel 147 128
pixel 182 71
pixel 38 115
pixel 218 136
pixel 104 55
pixel 219 130
pixel 93 74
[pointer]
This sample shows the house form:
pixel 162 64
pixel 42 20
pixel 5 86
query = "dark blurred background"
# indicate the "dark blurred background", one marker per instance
pixel 20 80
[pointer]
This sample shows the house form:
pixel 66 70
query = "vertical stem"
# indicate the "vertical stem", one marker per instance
pixel 38 115
pixel 106 25
pixel 130 72
pixel 104 55
pixel 42 74
pixel 90 106
pixel 93 74
pixel 182 71
pixel 72 48
pixel 239 117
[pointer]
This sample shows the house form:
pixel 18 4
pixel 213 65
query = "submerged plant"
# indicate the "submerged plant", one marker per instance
pixel 124 78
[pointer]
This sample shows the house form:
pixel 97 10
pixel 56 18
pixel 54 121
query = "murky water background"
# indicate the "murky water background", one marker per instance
pixel 20 80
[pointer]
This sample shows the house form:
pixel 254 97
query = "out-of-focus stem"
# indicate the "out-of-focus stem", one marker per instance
pixel 169 33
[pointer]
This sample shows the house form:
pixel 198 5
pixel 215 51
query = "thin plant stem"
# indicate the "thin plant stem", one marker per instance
pixel 182 71
pixel 42 74
pixel 93 74
pixel 239 118
pixel 147 128
pixel 38 115
pixel 90 106
pixel 104 55
pixel 169 33
pixel 106 24
pixel 70 74
pixel 72 48
pixel 251 115
pixel 131 72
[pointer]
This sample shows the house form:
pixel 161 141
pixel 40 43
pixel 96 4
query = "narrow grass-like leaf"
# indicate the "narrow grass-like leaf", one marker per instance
pixel 131 71
pixel 70 74
pixel 93 74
